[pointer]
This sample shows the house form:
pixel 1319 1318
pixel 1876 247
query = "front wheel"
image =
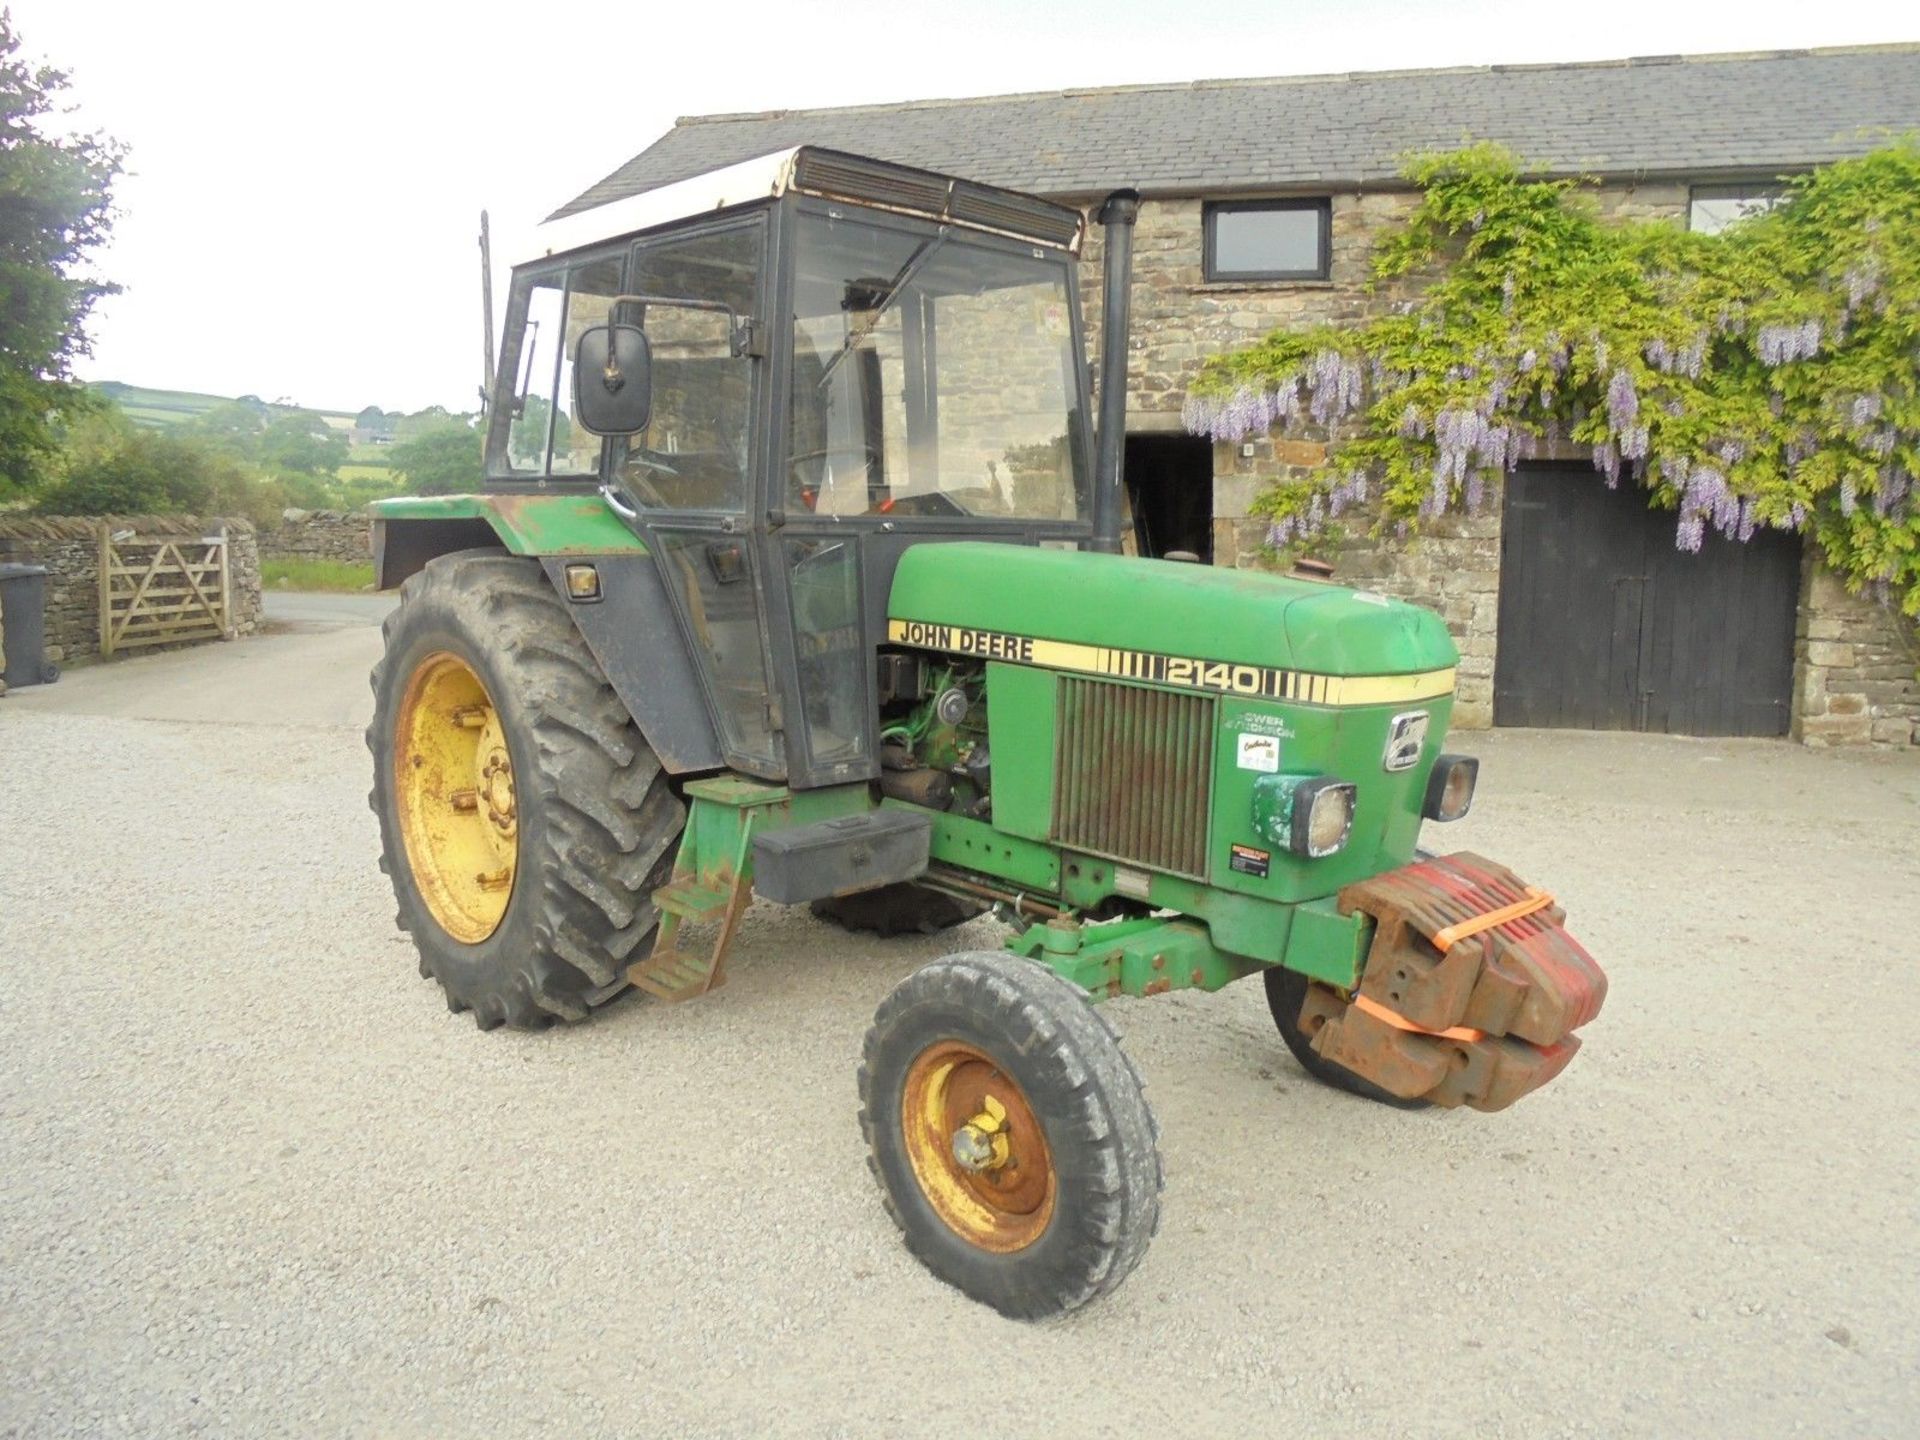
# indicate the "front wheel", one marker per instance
pixel 1286 998
pixel 1009 1134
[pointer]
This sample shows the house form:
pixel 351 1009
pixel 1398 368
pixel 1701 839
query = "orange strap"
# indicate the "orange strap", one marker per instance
pixel 1400 1022
pixel 1443 940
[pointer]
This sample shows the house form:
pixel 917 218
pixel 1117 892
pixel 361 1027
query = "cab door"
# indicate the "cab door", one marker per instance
pixel 689 478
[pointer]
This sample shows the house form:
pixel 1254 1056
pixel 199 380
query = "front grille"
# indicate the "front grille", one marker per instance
pixel 1132 773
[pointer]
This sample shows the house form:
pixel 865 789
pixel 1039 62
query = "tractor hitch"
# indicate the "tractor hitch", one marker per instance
pixel 1471 990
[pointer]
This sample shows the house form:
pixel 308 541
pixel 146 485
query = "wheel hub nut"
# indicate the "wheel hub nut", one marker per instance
pixel 981 1143
pixel 972 1149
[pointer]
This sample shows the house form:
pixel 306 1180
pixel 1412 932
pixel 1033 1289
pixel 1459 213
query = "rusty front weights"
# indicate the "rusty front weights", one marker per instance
pixel 1471 991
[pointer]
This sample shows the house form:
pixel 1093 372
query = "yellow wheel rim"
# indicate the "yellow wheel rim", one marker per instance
pixel 976 1148
pixel 453 788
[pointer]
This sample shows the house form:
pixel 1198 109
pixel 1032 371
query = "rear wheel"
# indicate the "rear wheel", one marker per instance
pixel 903 909
pixel 1009 1134
pixel 524 823
pixel 1286 994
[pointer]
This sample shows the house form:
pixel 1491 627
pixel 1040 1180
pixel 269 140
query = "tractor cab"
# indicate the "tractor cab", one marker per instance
pixel 780 377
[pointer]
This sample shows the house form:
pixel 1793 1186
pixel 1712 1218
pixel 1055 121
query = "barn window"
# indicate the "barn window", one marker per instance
pixel 1268 239
pixel 1712 208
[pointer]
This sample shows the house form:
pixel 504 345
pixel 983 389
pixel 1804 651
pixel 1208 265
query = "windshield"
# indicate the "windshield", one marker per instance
pixel 931 376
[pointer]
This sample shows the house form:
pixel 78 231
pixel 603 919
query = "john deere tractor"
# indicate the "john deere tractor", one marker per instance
pixel 796 574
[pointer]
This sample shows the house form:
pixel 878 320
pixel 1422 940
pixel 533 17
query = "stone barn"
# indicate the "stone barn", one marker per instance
pixel 1263 200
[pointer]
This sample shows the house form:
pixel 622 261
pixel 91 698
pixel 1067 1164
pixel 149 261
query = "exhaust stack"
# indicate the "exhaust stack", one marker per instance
pixel 1116 217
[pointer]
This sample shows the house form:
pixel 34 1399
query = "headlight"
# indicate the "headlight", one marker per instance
pixel 1322 816
pixel 1309 815
pixel 1450 787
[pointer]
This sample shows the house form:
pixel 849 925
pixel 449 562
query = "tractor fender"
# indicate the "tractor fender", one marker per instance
pixel 635 636
pixel 631 629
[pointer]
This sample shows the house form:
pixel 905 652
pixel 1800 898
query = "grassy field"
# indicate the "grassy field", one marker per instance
pixel 315 575
pixel 173 407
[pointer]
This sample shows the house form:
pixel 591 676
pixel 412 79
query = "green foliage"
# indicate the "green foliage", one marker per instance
pixel 107 465
pixel 242 457
pixel 315 575
pixel 1766 376
pixel 235 425
pixel 441 460
pixel 55 209
pixel 300 443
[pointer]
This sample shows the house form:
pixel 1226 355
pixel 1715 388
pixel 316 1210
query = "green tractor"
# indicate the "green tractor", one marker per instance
pixel 796 574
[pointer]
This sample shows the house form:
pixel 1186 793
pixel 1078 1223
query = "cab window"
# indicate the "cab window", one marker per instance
pixel 532 433
pixel 696 452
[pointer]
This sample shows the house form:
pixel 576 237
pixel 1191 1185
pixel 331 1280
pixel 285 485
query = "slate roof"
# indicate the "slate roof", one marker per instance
pixel 1681 115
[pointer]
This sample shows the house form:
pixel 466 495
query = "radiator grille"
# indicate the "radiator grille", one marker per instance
pixel 1133 774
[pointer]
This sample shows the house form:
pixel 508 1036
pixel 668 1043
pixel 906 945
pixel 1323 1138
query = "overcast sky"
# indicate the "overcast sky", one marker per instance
pixel 301 212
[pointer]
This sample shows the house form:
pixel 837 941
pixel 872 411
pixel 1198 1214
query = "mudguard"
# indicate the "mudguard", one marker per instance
pixel 635 637
pixel 631 629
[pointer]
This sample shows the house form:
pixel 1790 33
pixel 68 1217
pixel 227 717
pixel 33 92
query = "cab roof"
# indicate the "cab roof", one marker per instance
pixel 811 170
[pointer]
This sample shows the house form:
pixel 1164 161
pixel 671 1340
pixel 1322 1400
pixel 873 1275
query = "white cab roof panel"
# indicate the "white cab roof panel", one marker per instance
pixel 761 178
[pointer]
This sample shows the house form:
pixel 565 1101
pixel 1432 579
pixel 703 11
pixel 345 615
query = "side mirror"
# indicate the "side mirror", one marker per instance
pixel 612 381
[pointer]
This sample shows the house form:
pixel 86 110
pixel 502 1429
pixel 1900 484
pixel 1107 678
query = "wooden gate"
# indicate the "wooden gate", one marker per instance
pixel 1605 626
pixel 158 589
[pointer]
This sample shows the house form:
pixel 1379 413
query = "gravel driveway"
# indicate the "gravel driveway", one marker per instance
pixel 255 1180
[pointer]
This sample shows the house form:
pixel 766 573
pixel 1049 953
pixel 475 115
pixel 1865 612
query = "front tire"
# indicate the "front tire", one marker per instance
pixel 524 822
pixel 1286 994
pixel 1008 1132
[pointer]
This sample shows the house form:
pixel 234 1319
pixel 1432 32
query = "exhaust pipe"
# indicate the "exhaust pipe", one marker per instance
pixel 1117 215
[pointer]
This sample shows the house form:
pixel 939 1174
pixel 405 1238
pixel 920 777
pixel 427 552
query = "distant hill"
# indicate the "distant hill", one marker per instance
pixel 160 408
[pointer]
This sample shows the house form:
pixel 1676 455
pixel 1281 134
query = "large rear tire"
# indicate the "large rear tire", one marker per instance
pixel 1009 1134
pixel 524 822
pixel 903 909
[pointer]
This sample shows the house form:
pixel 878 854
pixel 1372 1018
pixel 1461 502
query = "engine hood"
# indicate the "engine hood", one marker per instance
pixel 1164 607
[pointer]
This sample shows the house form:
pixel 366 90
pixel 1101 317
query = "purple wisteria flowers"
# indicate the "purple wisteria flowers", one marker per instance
pixel 1778 344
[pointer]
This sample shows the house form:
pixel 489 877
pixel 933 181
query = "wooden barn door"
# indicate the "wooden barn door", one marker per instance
pixel 1604 625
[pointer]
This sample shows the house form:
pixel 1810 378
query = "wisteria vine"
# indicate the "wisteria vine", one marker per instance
pixel 1767 377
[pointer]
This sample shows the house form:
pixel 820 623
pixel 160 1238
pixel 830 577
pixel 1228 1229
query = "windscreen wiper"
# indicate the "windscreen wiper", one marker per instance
pixel 893 292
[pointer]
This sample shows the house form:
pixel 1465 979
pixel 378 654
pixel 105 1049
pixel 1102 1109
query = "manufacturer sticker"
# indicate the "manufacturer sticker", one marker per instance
pixel 1260 752
pixel 1249 861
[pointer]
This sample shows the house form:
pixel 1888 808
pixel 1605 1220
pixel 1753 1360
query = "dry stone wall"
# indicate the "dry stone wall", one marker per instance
pixel 344 536
pixel 69 546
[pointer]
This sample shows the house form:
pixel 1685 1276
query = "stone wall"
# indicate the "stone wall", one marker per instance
pixel 342 536
pixel 70 549
pixel 1854 667
pixel 1180 318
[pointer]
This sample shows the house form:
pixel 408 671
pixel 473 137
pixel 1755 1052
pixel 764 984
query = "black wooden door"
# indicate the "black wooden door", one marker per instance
pixel 1604 625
